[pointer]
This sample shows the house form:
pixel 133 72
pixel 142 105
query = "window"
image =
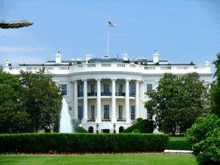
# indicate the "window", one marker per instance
pixel 92 88
pixel 64 89
pixel 132 112
pixel 106 111
pixel 120 111
pixel 106 88
pixel 80 112
pixel 92 112
pixel 80 89
pixel 132 89
pixel 149 87
pixel 120 88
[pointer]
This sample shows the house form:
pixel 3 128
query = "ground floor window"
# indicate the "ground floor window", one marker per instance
pixel 80 112
pixel 92 112
pixel 90 130
pixel 132 112
pixel 64 89
pixel 121 129
pixel 106 111
pixel 120 111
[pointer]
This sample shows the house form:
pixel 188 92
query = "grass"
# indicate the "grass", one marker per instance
pixel 120 159
pixel 173 138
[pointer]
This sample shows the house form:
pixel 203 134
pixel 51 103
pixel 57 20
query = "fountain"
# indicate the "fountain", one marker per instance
pixel 65 120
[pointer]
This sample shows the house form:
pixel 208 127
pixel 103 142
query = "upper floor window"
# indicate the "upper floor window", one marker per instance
pixel 64 89
pixel 132 89
pixel 149 87
pixel 106 88
pixel 92 88
pixel 80 89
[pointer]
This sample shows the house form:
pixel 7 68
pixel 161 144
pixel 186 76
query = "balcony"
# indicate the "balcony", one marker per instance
pixel 106 94
pixel 132 94
pixel 122 119
pixel 119 94
pixel 80 94
pixel 92 94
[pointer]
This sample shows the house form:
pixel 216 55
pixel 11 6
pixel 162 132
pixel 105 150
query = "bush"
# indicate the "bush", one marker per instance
pixel 179 145
pixel 204 136
pixel 80 130
pixel 144 126
pixel 82 142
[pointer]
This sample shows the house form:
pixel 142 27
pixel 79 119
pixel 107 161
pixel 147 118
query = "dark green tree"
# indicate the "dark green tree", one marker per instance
pixel 41 98
pixel 177 102
pixel 13 118
pixel 204 135
pixel 1 68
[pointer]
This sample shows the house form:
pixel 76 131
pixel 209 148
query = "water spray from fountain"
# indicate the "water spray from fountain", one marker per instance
pixel 65 120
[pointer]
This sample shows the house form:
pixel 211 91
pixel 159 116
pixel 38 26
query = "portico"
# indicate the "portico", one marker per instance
pixel 109 100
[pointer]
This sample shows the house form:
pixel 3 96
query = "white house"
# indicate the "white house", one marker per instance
pixel 108 94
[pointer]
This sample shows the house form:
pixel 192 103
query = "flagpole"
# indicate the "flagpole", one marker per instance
pixel 108 43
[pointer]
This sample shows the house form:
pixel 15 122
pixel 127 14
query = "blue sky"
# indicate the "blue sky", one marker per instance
pixel 181 30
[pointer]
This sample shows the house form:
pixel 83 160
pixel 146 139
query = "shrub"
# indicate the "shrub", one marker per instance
pixel 179 145
pixel 204 136
pixel 82 142
pixel 144 126
pixel 79 129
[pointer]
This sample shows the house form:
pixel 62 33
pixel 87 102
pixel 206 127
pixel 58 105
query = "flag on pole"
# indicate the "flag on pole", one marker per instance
pixel 110 24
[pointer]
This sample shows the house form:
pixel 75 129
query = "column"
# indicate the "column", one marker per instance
pixel 137 99
pixel 98 118
pixel 85 111
pixel 113 101
pixel 127 112
pixel 75 95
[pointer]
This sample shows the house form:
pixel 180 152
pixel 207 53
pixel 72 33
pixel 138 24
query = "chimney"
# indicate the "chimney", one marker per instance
pixel 155 56
pixel 125 57
pixel 58 58
pixel 88 57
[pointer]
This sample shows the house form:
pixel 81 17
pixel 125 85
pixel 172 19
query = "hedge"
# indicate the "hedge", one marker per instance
pixel 179 145
pixel 75 142
pixel 144 126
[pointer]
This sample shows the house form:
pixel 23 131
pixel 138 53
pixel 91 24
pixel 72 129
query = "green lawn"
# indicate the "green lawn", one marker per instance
pixel 113 159
pixel 172 138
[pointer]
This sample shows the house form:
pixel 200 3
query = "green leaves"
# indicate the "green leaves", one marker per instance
pixel 28 102
pixel 177 102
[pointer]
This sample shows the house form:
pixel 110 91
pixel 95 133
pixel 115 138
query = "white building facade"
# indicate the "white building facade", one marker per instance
pixel 108 94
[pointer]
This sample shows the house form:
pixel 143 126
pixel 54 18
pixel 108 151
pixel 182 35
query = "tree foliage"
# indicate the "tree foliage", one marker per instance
pixel 41 98
pixel 204 135
pixel 12 117
pixel 177 102
pixel 141 126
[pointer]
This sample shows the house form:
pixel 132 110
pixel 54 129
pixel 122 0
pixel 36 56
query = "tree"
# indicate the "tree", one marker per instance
pixel 13 118
pixel 41 98
pixel 177 102
pixel 204 135
pixel 1 68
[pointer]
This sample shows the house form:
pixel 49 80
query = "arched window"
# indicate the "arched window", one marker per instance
pixel 90 130
pixel 121 129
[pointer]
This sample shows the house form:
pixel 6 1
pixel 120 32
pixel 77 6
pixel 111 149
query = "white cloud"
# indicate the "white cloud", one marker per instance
pixel 19 49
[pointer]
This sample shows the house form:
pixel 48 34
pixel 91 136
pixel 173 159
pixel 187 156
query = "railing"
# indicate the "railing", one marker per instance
pixel 106 119
pixel 123 120
pixel 80 94
pixel 112 67
pixel 119 94
pixel 92 94
pixel 106 94
pixel 132 94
